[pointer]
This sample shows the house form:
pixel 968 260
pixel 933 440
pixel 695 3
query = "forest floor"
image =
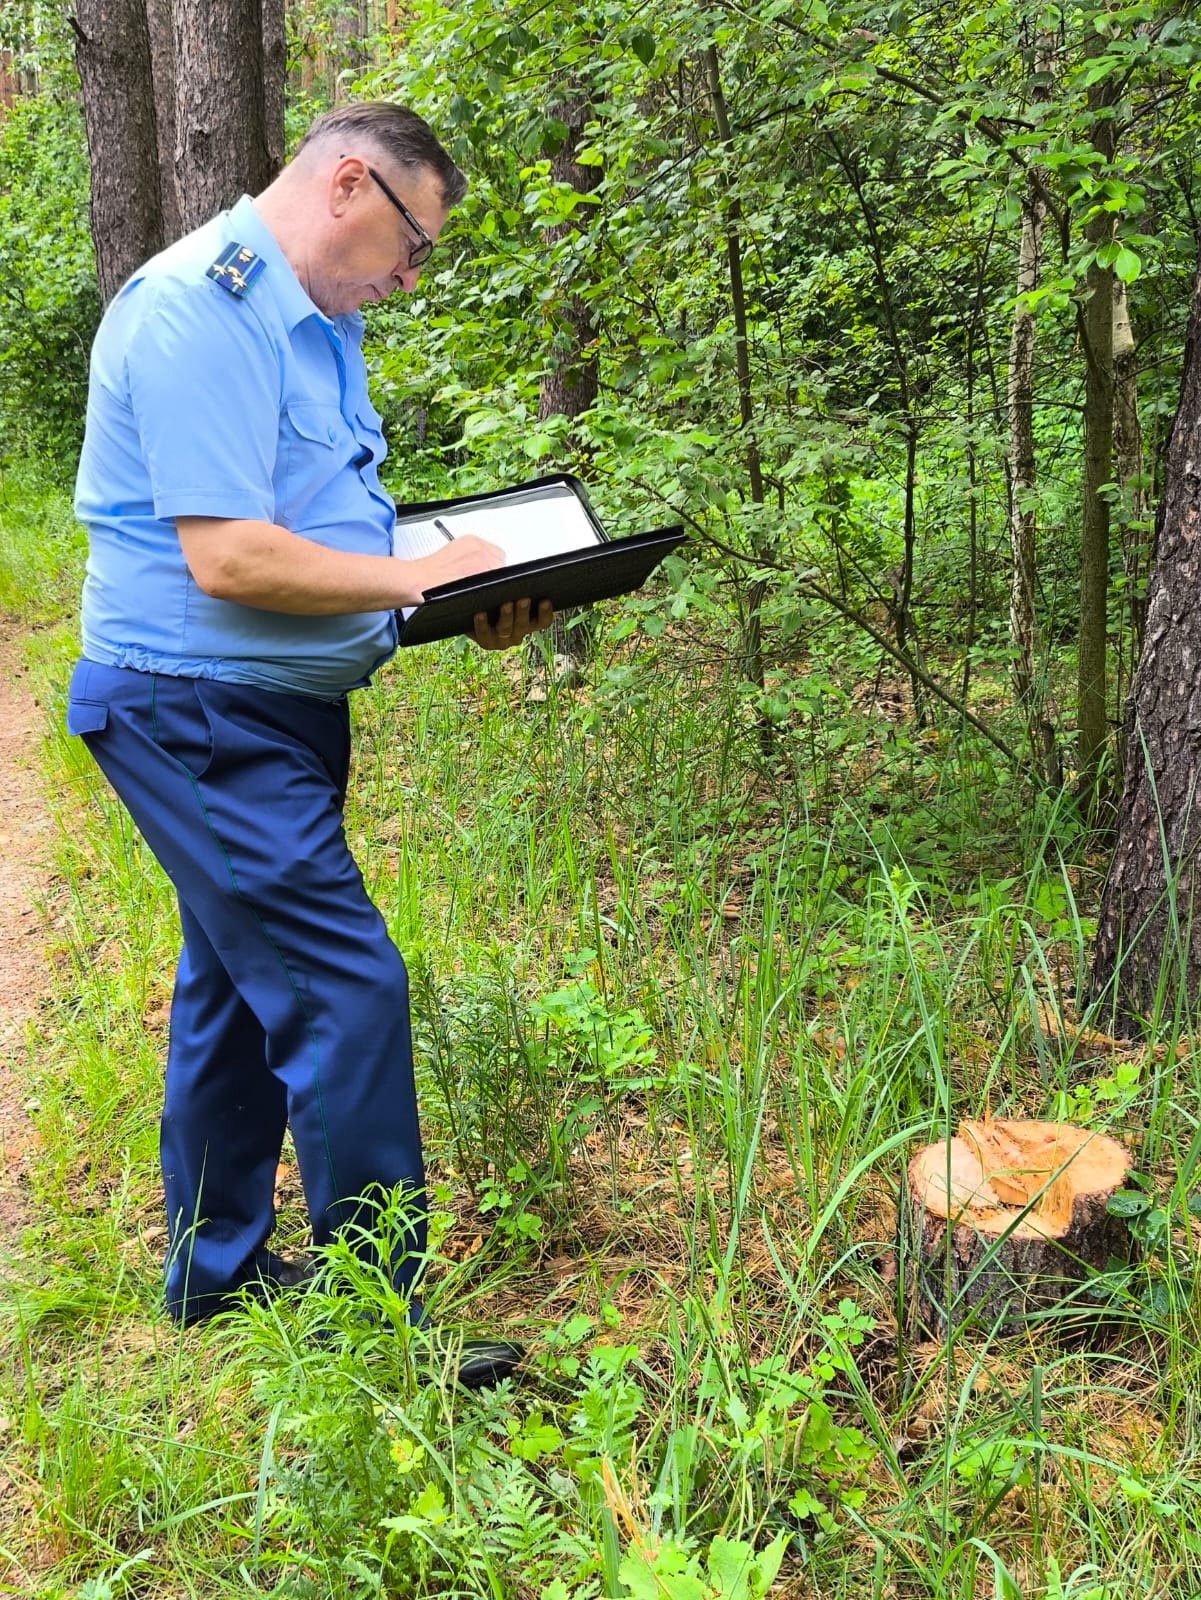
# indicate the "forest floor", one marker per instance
pixel 25 887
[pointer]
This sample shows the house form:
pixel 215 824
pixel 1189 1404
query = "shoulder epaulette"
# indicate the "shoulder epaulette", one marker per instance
pixel 235 269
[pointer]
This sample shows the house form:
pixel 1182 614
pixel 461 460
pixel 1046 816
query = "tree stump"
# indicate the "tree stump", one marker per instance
pixel 1007 1219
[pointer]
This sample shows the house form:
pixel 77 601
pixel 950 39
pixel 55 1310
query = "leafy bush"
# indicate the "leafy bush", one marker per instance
pixel 49 304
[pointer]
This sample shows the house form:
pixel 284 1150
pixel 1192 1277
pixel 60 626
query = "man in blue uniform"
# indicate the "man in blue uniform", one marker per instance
pixel 240 582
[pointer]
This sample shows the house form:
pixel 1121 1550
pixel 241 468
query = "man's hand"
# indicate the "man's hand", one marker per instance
pixel 513 624
pixel 459 558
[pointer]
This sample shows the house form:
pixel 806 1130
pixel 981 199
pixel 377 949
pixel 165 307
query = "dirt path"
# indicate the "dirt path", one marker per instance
pixel 24 880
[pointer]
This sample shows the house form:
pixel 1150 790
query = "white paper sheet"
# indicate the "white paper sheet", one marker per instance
pixel 539 522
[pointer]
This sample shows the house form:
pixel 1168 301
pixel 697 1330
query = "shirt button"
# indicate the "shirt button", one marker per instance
pixel 330 431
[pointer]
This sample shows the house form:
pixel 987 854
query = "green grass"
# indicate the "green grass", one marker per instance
pixel 681 1019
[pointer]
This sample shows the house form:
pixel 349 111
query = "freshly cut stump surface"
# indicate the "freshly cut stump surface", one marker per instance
pixel 1007 1219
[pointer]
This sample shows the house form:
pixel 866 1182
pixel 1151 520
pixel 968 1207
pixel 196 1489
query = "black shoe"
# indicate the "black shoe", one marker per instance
pixel 267 1277
pixel 279 1275
pixel 480 1363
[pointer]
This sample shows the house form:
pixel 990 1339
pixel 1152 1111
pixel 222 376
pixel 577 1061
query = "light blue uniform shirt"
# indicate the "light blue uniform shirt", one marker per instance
pixel 204 404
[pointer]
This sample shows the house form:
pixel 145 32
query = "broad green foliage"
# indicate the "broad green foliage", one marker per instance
pixel 872 180
pixel 879 157
pixel 49 306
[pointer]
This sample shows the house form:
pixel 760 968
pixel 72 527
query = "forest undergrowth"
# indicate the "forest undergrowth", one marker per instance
pixel 683 1009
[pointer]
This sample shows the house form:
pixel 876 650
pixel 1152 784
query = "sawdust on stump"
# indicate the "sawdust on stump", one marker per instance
pixel 1007 1220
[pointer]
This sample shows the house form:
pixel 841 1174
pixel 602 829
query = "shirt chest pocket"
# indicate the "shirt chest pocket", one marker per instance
pixel 315 447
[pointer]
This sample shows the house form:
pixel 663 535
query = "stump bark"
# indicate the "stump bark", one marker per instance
pixel 1007 1219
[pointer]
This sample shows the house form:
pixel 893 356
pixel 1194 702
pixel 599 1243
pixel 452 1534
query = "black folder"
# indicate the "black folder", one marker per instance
pixel 597 571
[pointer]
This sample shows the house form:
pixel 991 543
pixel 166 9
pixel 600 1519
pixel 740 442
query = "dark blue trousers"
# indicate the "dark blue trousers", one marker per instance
pixel 291 1001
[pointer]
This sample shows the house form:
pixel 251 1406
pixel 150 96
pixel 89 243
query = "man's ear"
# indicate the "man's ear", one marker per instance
pixel 348 176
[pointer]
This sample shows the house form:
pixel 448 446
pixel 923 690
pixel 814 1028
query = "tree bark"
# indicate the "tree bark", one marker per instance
pixel 568 387
pixel 275 71
pixel 112 53
pixel 161 26
pixel 1128 446
pixel 221 145
pixel 1148 943
pixel 349 53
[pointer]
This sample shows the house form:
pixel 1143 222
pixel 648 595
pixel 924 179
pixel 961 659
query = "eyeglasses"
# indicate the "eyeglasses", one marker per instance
pixel 424 248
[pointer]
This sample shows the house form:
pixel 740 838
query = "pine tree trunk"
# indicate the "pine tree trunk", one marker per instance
pixel 275 71
pixel 348 57
pixel 1128 447
pixel 1149 927
pixel 1096 328
pixel 221 144
pixel 568 387
pixel 112 53
pixel 161 26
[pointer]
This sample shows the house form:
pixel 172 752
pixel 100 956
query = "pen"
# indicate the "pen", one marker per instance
pixel 444 530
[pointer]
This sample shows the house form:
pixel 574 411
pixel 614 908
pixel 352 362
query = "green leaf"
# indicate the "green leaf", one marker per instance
pixel 532 1439
pixel 480 423
pixel 1128 1203
pixel 803 1505
pixel 554 135
pixel 537 445
pixel 642 44
pixel 737 1573
pixel 431 1503
pixel 661 1576
pixel 1127 265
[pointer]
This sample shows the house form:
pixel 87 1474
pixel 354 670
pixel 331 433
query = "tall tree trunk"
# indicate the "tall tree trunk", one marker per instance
pixel 569 385
pixel 1095 320
pixel 1021 460
pixel 275 71
pixel 8 81
pixel 161 25
pixel 1128 447
pixel 348 55
pixel 112 53
pixel 221 145
pixel 1149 927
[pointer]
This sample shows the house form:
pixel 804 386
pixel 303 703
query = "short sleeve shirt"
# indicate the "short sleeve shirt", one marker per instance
pixel 205 403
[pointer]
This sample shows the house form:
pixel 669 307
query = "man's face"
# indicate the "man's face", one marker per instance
pixel 369 242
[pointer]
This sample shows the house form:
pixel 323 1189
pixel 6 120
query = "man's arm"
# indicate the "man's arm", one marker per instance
pixel 259 564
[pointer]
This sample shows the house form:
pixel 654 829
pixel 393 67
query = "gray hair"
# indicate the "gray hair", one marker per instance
pixel 394 131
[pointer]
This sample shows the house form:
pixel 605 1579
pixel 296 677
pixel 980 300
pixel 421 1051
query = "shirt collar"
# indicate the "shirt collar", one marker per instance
pixel 248 228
